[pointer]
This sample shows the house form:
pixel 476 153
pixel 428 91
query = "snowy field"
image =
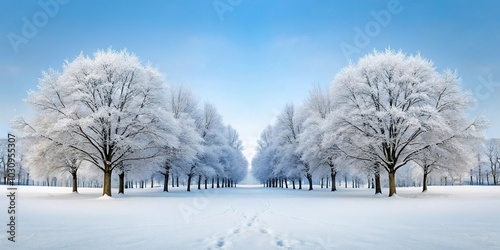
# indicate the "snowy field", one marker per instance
pixel 252 217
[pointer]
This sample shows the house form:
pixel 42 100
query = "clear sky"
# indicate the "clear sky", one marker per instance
pixel 250 58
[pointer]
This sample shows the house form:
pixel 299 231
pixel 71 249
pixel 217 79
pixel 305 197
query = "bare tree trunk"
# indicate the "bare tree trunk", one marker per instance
pixel 218 183
pixel 424 182
pixel 392 183
pixel 106 189
pixel 199 182
pixel 75 182
pixel 322 182
pixel 189 182
pixel 480 177
pixel 213 181
pixel 309 179
pixel 121 186
pixel 177 180
pixel 206 182
pixel 300 183
pixel 378 186
pixel 173 181
pixel 165 182
pixel 333 175
pixel 286 183
pixel 293 184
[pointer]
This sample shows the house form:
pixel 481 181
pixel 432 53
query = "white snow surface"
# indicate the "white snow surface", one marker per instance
pixel 253 217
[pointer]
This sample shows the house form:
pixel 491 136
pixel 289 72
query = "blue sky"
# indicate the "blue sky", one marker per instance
pixel 250 58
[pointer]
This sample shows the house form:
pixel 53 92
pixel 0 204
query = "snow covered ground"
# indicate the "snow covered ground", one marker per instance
pixel 252 217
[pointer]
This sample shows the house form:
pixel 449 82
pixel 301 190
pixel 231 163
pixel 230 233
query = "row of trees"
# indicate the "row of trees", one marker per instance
pixel 119 115
pixel 384 112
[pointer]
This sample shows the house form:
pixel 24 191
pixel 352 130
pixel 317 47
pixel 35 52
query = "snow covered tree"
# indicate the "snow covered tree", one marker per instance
pixel 290 125
pixel 492 152
pixel 262 162
pixel 105 107
pixel 3 159
pixel 209 126
pixel 315 149
pixel 455 150
pixel 236 169
pixel 279 157
pixel 390 107
pixel 48 158
pixel 182 104
pixel 455 154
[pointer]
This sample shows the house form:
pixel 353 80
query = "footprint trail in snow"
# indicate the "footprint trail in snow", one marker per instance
pixel 251 229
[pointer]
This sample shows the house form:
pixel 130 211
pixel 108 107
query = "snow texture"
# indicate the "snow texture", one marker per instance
pixel 252 217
